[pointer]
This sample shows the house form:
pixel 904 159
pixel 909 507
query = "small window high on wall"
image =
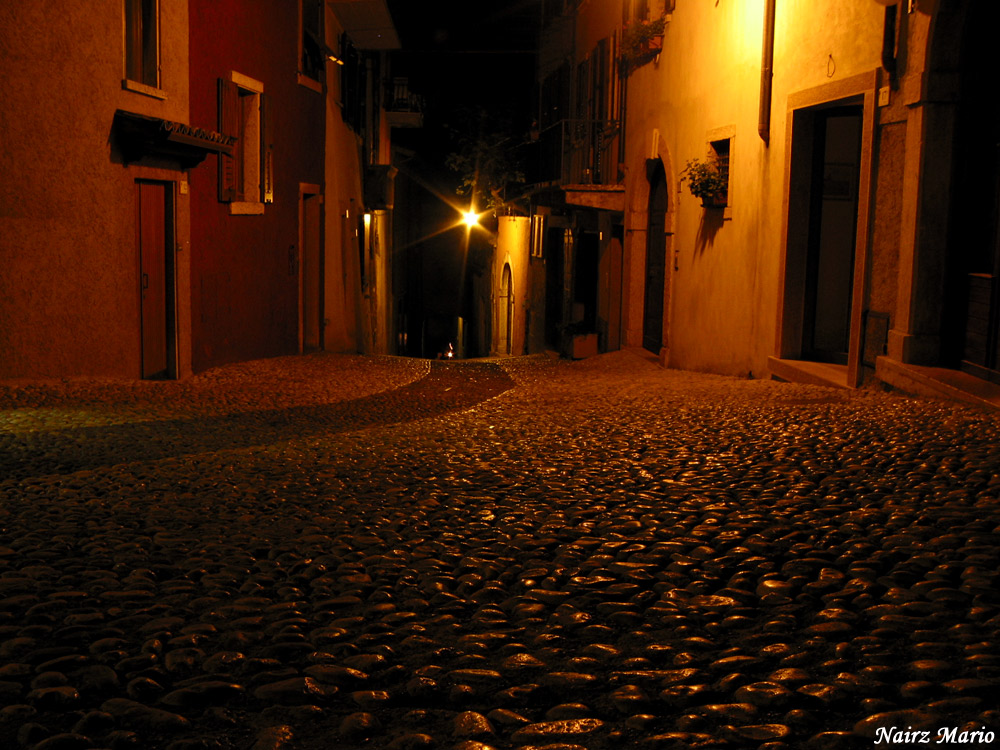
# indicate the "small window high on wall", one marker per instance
pixel 142 42
pixel 312 56
pixel 720 151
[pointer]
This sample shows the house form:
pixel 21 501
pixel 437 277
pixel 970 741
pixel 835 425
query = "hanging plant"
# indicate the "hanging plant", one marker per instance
pixel 641 43
pixel 707 180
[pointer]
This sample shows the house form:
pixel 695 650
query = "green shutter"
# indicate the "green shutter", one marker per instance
pixel 266 149
pixel 229 124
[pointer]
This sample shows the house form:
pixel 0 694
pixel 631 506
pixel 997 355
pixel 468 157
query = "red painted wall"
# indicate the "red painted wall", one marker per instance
pixel 244 290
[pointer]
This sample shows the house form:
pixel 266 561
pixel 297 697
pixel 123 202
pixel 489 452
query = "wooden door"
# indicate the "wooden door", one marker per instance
pixel 656 263
pixel 613 294
pixel 152 233
pixel 312 273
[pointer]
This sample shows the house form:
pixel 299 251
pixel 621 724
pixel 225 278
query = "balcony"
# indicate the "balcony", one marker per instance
pixel 581 158
pixel 404 109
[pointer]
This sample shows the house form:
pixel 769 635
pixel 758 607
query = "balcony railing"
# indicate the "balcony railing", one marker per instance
pixel 404 108
pixel 576 152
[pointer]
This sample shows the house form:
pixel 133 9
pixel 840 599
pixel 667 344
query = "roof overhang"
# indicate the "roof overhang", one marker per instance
pixel 140 136
pixel 604 197
pixel 367 22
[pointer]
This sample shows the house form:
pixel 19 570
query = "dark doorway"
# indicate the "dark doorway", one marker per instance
pixel 974 279
pixel 154 238
pixel 585 280
pixel 656 254
pixel 833 218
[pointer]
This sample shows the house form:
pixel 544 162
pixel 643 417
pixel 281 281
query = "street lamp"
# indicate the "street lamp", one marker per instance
pixel 470 218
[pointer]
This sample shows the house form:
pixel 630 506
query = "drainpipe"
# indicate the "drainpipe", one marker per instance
pixel 889 40
pixel 766 74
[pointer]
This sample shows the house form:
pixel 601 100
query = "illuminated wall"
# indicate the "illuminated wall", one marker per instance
pixel 511 291
pixel 245 265
pixel 726 266
pixel 69 269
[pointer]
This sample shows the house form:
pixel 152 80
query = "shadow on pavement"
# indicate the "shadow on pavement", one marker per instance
pixel 448 387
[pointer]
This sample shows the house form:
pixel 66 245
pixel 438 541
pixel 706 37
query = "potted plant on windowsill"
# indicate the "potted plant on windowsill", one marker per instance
pixel 641 43
pixel 708 180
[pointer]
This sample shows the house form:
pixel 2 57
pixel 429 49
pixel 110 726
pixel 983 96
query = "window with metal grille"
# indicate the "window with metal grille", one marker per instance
pixel 721 150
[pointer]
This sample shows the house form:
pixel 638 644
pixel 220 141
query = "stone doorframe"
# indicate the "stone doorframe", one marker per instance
pixel 862 90
pixel 930 94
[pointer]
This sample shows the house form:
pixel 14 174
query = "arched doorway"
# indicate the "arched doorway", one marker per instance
pixel 656 258
pixel 505 311
pixel 972 315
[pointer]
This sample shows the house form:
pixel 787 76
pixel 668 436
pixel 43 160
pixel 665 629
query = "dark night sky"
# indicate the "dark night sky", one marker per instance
pixel 460 54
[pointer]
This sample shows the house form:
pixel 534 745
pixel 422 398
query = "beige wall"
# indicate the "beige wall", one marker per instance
pixel 68 263
pixel 513 248
pixel 725 292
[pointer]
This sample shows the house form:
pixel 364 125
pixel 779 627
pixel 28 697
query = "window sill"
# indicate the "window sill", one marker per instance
pixel 310 83
pixel 243 208
pixel 142 88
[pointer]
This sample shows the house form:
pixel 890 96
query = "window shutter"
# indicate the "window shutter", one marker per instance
pixel 229 124
pixel 266 149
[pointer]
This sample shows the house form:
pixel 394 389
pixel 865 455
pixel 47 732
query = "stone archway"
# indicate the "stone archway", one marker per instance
pixel 505 311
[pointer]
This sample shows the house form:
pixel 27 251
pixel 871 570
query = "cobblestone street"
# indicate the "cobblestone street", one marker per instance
pixel 335 553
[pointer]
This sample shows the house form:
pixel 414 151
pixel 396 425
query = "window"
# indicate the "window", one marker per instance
pixel 647 10
pixel 537 236
pixel 720 152
pixel 312 53
pixel 142 42
pixel 246 177
pixel 352 85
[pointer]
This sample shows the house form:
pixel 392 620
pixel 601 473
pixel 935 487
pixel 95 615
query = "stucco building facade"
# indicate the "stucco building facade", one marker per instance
pixel 186 184
pixel 855 239
pixel 71 275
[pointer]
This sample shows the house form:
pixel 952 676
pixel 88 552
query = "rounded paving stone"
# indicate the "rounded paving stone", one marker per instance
pixel 295 691
pixel 556 730
pixel 359 726
pixel 764 694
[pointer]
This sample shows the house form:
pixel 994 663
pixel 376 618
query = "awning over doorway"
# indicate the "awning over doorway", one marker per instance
pixel 140 136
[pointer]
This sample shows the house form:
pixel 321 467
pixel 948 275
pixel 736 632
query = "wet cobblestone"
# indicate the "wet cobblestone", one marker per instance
pixel 337 552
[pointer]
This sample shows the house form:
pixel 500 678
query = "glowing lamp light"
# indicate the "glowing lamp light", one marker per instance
pixel 471 219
